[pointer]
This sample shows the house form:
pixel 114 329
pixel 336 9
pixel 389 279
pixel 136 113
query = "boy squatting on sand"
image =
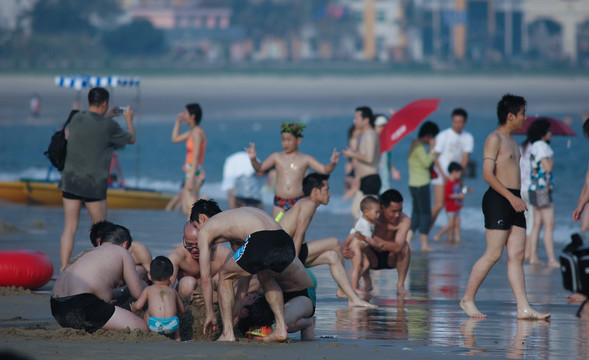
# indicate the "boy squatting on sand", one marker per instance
pixel 164 304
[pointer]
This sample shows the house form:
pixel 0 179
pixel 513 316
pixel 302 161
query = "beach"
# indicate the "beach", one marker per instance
pixel 429 324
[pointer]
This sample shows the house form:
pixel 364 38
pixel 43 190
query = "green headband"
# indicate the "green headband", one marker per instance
pixel 294 128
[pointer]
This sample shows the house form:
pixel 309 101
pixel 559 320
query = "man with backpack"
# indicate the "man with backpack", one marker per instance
pixel 93 135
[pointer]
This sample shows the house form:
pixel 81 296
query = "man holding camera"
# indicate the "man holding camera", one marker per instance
pixel 92 137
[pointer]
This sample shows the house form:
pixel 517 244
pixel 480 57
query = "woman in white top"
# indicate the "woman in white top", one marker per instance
pixel 541 165
pixel 525 166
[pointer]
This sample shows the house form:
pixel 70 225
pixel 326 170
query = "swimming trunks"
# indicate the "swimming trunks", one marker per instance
pixel 370 184
pixel 304 253
pixel 82 311
pixel 267 249
pixel 199 174
pixel 382 258
pixel 293 294
pixel 498 212
pixel 67 195
pixel 163 326
pixel 286 204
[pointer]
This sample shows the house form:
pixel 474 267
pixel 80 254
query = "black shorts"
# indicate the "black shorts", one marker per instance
pixel 266 250
pixel 304 253
pixel 82 311
pixel 293 294
pixel 370 184
pixel 67 195
pixel 498 212
pixel 382 258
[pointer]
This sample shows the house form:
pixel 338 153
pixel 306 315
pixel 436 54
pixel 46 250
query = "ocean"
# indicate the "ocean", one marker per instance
pixel 155 162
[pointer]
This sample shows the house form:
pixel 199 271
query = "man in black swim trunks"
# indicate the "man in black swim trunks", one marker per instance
pixel 82 294
pixel 388 248
pixel 503 210
pixel 261 248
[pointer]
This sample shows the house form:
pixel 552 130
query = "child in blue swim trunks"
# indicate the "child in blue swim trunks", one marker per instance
pixel 164 304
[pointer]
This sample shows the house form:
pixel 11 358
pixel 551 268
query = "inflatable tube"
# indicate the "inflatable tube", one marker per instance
pixel 25 268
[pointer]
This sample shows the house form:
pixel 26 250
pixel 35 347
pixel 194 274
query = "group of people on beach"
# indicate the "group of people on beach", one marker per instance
pixel 263 270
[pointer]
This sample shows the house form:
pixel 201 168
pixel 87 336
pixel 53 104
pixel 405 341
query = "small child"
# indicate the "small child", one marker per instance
pixel 164 304
pixel 454 194
pixel 291 166
pixel 370 208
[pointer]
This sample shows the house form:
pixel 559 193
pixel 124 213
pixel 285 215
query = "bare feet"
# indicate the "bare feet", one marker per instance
pixel 531 314
pixel 340 294
pixel 426 249
pixel 361 303
pixel 536 261
pixel 275 337
pixel 402 292
pixel 228 337
pixel 553 264
pixel 437 237
pixel 576 298
pixel 471 310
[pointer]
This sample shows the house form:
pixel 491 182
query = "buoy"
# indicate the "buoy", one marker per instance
pixel 29 269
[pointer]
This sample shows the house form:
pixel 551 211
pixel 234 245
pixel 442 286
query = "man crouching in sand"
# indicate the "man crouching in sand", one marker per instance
pixel 82 293
pixel 503 210
pixel 261 248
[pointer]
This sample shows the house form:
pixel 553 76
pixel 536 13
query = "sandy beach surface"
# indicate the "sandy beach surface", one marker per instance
pixel 429 324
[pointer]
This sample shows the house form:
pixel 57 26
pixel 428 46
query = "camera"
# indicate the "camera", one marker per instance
pixel 120 109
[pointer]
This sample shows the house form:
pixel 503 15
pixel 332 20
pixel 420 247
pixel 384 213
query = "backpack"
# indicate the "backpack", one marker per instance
pixel 574 266
pixel 58 146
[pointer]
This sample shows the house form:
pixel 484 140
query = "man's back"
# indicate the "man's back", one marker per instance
pixel 95 271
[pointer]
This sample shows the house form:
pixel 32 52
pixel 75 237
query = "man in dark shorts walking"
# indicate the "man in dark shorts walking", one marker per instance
pixel 503 209
pixel 261 248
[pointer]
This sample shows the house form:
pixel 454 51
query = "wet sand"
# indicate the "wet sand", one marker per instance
pixel 428 324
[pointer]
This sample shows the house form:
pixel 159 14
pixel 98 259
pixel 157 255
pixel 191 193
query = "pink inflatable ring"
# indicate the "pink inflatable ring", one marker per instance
pixel 29 269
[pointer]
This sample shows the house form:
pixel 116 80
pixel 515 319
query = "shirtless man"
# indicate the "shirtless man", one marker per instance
pixel 324 251
pixel 81 295
pixel 140 252
pixel 503 210
pixel 388 246
pixel 291 166
pixel 261 248
pixel 186 261
pixel 367 157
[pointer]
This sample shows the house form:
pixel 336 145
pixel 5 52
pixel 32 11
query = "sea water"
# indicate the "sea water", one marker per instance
pixel 155 162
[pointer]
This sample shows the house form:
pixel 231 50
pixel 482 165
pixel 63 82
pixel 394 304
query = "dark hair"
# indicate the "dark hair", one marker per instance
pixel 97 96
pixel 586 127
pixel 366 201
pixel 538 129
pixel 161 268
pixel 389 196
pixel 460 112
pixel 259 314
pixel 351 131
pixel 428 128
pixel 209 208
pixel 312 181
pixel 509 104
pixel 366 112
pixel 454 166
pixel 99 231
pixel 118 235
pixel 195 109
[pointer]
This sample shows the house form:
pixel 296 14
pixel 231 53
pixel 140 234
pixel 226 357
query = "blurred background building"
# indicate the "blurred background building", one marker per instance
pixel 437 33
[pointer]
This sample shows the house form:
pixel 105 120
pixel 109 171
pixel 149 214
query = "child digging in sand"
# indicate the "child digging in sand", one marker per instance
pixel 454 194
pixel 291 166
pixel 164 304
pixel 364 228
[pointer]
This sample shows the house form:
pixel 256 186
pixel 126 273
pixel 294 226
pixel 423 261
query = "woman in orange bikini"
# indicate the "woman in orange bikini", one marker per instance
pixel 196 142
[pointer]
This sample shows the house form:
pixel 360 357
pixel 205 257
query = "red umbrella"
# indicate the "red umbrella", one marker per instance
pixel 405 121
pixel 557 127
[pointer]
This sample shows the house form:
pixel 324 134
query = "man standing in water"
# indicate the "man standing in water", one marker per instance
pixel 503 210
pixel 367 157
